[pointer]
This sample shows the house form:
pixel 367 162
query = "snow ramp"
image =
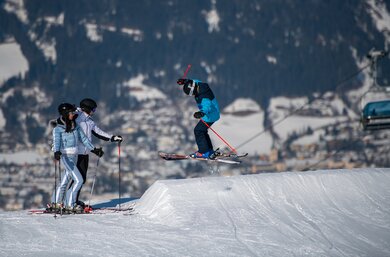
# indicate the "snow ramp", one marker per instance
pixel 316 213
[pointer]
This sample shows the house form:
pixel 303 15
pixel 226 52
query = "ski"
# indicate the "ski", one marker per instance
pixel 231 155
pixel 112 209
pixel 220 158
pixel 102 210
pixel 86 210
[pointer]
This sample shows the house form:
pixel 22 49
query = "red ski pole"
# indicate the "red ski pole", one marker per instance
pixel 187 70
pixel 215 132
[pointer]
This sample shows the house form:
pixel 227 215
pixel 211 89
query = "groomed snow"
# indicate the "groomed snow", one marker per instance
pixel 318 213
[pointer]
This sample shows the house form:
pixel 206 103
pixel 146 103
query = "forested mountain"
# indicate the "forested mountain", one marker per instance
pixel 258 49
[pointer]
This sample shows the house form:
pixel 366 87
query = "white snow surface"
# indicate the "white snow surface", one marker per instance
pixel 241 120
pixel 2 120
pixel 12 61
pixel 317 213
pixel 281 107
pixel 142 92
pixel 236 130
pixel 93 33
pixel 16 7
pixel 243 105
pixel 380 17
pixel 212 18
pixel 22 157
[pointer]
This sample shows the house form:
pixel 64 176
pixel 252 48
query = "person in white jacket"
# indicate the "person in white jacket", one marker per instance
pixel 87 108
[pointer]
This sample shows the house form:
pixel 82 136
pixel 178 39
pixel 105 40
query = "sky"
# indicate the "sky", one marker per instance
pixel 316 213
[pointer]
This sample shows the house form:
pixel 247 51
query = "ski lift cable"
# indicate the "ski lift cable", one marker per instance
pixel 373 56
pixel 312 166
pixel 309 102
pixel 337 151
pixel 345 146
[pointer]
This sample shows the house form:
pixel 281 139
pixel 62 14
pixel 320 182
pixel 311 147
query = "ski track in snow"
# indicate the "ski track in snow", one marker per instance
pixel 318 213
pixel 224 204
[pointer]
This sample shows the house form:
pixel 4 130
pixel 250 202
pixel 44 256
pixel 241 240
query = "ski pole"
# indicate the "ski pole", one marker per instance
pixel 119 171
pixel 187 70
pixel 93 183
pixel 55 187
pixel 64 195
pixel 223 140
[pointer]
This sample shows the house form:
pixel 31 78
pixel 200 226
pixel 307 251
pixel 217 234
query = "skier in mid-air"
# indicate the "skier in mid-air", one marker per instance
pixel 208 114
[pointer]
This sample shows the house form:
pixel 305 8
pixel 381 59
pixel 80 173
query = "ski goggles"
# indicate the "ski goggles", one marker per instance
pixel 192 88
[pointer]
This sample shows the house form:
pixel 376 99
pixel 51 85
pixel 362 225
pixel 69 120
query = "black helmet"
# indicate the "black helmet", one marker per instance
pixel 88 105
pixel 65 108
pixel 189 88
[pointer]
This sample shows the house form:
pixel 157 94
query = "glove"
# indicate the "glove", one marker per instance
pixel 117 138
pixel 57 155
pixel 98 151
pixel 182 81
pixel 198 115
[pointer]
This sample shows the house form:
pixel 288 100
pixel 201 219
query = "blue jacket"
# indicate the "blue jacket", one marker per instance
pixel 67 142
pixel 207 103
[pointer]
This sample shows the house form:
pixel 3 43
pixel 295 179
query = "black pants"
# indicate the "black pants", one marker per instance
pixel 82 166
pixel 202 137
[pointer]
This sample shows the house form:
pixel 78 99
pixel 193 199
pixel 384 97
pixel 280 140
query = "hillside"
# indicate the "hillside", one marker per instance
pixel 321 213
pixel 74 49
pixel 264 61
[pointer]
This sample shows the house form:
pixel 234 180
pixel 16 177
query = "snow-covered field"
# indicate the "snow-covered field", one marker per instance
pixel 318 213
pixel 12 61
pixel 22 157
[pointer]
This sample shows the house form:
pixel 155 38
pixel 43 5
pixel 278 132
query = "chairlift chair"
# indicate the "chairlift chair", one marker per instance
pixel 376 115
pixel 376 102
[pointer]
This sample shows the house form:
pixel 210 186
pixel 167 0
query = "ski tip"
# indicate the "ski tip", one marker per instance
pixel 172 156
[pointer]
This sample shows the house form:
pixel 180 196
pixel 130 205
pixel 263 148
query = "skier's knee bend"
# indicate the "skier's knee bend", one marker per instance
pixel 78 183
pixel 199 132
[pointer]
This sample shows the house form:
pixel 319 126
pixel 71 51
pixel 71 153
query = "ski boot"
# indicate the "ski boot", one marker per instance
pixel 205 155
pixel 54 207
pixel 81 203
pixel 78 209
pixel 215 154
pixel 87 209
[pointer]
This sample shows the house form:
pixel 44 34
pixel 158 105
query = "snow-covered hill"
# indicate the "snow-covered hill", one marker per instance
pixel 239 121
pixel 321 213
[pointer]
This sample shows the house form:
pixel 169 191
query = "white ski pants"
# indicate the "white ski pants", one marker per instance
pixel 71 173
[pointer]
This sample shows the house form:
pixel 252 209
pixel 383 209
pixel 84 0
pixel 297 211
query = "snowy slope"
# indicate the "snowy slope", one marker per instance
pixel 240 121
pixel 318 213
pixel 327 112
